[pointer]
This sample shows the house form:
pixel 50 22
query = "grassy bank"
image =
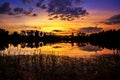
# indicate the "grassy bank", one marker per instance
pixel 51 67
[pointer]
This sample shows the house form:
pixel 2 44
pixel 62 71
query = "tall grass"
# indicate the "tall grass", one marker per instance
pixel 51 67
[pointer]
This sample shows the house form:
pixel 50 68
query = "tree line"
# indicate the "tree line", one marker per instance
pixel 109 39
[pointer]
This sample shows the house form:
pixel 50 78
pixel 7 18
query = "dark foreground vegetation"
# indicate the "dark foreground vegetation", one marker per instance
pixel 109 39
pixel 51 67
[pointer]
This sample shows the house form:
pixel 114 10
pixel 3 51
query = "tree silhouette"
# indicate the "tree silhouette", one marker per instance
pixel 109 39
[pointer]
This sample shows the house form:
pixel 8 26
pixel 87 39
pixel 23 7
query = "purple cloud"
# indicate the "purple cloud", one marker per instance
pixel 28 1
pixel 57 9
pixel 90 30
pixel 113 20
pixel 65 9
pixel 17 11
pixel 5 8
pixel 34 14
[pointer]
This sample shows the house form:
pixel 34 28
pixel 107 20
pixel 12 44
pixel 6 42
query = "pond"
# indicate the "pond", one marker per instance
pixel 58 61
pixel 61 49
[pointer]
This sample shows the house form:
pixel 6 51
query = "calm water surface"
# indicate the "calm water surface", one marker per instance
pixel 59 61
pixel 62 49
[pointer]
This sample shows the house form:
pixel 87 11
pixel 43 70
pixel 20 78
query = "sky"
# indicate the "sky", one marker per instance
pixel 60 16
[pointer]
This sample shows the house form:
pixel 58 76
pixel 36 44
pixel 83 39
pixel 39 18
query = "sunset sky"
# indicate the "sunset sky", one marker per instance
pixel 16 15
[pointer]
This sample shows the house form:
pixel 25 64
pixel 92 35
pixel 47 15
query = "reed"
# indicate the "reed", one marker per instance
pixel 51 67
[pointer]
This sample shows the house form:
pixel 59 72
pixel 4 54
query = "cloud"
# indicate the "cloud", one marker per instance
pixel 34 14
pixel 113 20
pixel 41 5
pixel 28 1
pixel 90 30
pixel 65 9
pixel 57 9
pixel 22 11
pixel 19 10
pixel 5 8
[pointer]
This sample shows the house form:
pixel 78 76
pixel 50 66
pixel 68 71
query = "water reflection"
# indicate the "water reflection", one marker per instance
pixel 63 49
pixel 57 47
pixel 58 61
pixel 32 45
pixel 91 48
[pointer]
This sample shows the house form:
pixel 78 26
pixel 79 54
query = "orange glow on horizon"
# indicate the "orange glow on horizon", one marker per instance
pixel 42 23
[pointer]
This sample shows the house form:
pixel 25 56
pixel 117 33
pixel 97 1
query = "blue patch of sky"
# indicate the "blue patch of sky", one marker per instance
pixel 112 5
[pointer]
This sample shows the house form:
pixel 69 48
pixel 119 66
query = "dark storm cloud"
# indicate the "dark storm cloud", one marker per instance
pixel 5 8
pixel 113 20
pixel 90 30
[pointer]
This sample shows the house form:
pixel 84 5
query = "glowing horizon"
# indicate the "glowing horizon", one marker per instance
pixel 97 14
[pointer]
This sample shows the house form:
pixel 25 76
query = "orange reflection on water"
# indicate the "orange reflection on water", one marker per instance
pixel 59 49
